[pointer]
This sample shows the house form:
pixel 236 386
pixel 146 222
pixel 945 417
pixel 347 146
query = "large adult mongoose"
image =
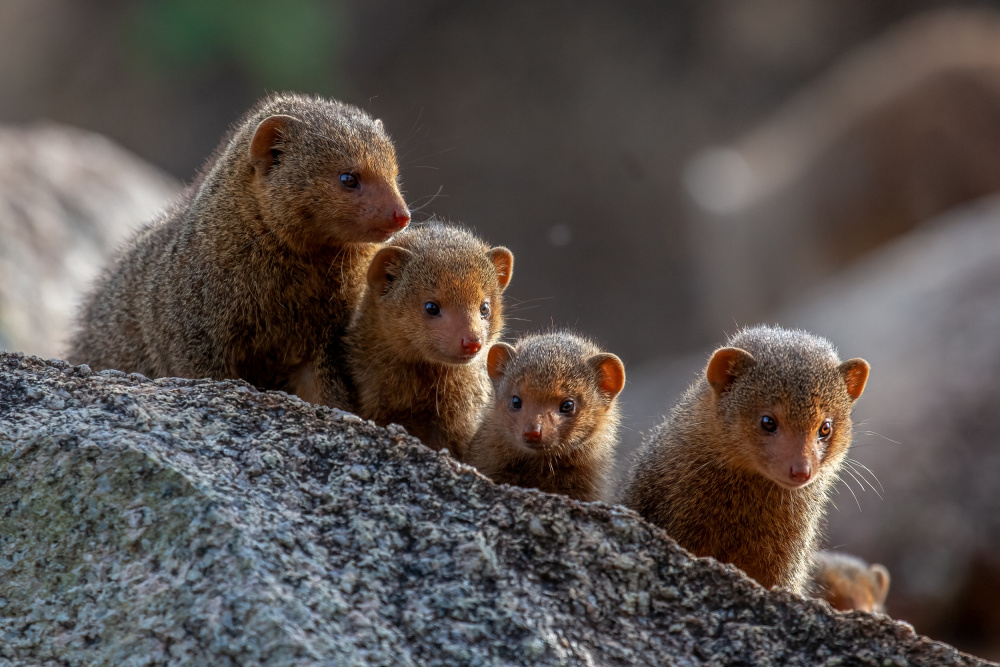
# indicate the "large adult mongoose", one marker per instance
pixel 434 300
pixel 742 467
pixel 847 582
pixel 553 424
pixel 254 273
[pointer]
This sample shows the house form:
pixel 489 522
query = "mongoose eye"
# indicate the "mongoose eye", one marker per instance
pixel 515 402
pixel 350 181
pixel 769 423
pixel 567 406
pixel 432 309
pixel 825 429
pixel 484 309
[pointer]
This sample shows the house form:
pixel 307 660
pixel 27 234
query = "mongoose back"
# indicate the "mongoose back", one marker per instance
pixel 259 265
pixel 434 300
pixel 847 582
pixel 553 424
pixel 742 467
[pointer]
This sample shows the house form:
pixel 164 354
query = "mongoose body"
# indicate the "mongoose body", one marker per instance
pixel 434 301
pixel 254 273
pixel 553 424
pixel 742 467
pixel 847 582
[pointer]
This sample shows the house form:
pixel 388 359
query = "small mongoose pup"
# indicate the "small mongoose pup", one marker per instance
pixel 847 582
pixel 434 300
pixel 255 272
pixel 553 424
pixel 742 467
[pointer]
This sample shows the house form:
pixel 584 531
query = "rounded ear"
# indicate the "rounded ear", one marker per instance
pixel 386 266
pixel 855 372
pixel 378 124
pixel 497 359
pixel 881 576
pixel 266 145
pixel 610 373
pixel 727 364
pixel 503 260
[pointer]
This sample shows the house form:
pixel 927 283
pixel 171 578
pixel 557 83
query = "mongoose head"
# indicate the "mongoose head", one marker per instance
pixel 552 391
pixel 324 173
pixel 850 583
pixel 786 398
pixel 438 293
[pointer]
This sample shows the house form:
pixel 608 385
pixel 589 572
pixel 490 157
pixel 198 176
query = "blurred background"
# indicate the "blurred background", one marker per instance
pixel 663 172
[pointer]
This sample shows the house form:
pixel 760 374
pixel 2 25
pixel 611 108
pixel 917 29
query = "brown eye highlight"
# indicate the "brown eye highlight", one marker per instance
pixel 825 429
pixel 769 423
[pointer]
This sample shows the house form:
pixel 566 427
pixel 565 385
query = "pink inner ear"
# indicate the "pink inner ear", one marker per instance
pixel 612 376
pixel 497 359
pixel 723 367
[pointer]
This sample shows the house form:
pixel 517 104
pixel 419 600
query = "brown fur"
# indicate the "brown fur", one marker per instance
pixel 536 444
pixel 428 372
pixel 847 582
pixel 721 485
pixel 253 274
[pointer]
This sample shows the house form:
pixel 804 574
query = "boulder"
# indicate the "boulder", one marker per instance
pixel 67 198
pixel 175 521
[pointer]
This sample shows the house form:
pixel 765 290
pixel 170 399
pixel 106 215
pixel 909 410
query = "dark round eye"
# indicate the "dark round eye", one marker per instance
pixel 350 181
pixel 769 423
pixel 432 309
pixel 515 402
pixel 484 309
pixel 825 429
pixel 567 406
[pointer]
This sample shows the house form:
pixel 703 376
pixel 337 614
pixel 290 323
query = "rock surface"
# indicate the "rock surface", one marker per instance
pixel 192 522
pixel 67 198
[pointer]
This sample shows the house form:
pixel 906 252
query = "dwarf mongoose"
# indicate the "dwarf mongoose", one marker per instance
pixel 253 274
pixel 847 582
pixel 434 300
pixel 742 467
pixel 553 424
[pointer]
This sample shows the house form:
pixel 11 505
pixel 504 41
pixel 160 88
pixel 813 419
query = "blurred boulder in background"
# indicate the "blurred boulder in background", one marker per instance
pixel 67 197
pixel 900 130
pixel 925 312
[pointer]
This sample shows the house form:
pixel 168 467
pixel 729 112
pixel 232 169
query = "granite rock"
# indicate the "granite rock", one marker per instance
pixel 147 522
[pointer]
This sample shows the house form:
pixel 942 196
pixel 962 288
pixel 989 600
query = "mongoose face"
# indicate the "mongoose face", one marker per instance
pixel 850 583
pixel 324 173
pixel 439 290
pixel 551 391
pixel 786 399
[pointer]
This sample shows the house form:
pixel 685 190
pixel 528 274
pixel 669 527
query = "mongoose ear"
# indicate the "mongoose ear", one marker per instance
pixel 727 364
pixel 881 576
pixel 266 146
pixel 386 265
pixel 378 124
pixel 610 373
pixel 855 372
pixel 497 359
pixel 503 260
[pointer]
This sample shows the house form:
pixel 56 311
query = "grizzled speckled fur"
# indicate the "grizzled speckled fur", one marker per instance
pixel 705 475
pixel 561 432
pixel 423 369
pixel 257 268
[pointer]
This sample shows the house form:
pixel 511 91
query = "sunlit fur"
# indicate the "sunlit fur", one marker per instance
pixel 404 363
pixel 707 475
pixel 575 453
pixel 253 273
pixel 847 582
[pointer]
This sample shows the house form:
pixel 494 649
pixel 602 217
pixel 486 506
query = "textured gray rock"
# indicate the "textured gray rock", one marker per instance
pixel 191 522
pixel 67 198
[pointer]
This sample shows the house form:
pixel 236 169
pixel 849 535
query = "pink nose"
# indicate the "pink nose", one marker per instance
pixel 533 433
pixel 401 219
pixel 471 346
pixel 800 474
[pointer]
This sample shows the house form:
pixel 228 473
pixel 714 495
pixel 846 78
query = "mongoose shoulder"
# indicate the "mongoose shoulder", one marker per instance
pixel 255 271
pixel 742 467
pixel 434 300
pixel 847 582
pixel 553 424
